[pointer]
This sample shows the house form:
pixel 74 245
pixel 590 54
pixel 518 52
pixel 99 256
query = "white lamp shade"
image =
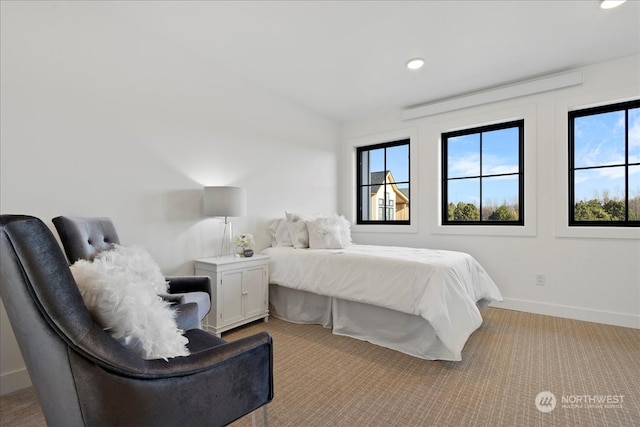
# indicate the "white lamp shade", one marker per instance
pixel 225 201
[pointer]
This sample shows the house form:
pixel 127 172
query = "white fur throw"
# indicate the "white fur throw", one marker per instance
pixel 120 288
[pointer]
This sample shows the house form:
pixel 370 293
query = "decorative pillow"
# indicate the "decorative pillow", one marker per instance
pixel 138 261
pixel 280 233
pixel 297 226
pixel 272 231
pixel 124 301
pixel 345 231
pixel 325 233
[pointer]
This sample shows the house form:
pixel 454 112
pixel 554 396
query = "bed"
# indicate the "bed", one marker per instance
pixel 422 302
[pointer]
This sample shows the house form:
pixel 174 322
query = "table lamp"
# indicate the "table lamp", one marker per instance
pixel 225 202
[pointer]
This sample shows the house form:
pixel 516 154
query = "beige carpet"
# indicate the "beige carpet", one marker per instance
pixel 327 380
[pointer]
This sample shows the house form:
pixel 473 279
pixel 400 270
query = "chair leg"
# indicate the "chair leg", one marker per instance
pixel 264 416
pixel 265 421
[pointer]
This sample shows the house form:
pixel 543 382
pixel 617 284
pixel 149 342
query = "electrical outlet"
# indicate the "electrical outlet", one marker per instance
pixel 540 279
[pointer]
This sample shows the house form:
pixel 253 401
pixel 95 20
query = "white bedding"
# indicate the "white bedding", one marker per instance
pixel 440 286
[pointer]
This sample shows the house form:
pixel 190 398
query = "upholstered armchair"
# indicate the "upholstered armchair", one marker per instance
pixel 84 377
pixel 84 238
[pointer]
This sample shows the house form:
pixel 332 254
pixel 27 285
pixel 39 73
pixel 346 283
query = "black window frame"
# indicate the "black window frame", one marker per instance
pixel 572 115
pixel 521 177
pixel 360 184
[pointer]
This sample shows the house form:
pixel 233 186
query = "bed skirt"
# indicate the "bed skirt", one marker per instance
pixel 402 332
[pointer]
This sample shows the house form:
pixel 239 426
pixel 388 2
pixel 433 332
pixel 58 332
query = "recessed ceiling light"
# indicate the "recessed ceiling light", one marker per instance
pixel 415 63
pixel 610 4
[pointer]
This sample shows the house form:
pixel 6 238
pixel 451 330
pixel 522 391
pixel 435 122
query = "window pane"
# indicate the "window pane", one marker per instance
pixel 368 203
pixel 634 193
pixel 600 184
pixel 600 194
pixel 371 161
pixel 500 198
pixel 464 197
pixel 599 140
pixel 500 151
pixel 634 135
pixel 364 168
pixel 402 203
pixel 376 160
pixel 398 162
pixel 463 156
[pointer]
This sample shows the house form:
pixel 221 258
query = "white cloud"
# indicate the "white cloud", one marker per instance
pixel 468 165
pixel 494 165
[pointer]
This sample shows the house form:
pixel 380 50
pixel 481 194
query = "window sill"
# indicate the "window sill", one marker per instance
pixel 631 233
pixel 375 228
pixel 485 230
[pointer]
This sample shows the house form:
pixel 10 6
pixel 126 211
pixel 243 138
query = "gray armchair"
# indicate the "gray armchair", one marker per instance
pixel 84 377
pixel 84 238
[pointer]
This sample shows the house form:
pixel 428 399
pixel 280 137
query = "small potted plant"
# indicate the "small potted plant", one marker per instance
pixel 245 241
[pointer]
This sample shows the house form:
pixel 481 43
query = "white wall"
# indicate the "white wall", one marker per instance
pixel 590 275
pixel 102 119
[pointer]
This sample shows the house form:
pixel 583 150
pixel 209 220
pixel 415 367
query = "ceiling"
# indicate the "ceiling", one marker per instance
pixel 346 59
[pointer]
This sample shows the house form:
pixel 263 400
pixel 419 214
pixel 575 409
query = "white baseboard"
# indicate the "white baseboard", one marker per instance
pixel 576 313
pixel 13 381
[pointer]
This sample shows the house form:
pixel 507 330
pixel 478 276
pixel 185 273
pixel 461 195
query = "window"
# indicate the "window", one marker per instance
pixel 383 175
pixel 604 165
pixel 483 175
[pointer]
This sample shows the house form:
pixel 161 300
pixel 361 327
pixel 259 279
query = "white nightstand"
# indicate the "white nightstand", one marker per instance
pixel 239 290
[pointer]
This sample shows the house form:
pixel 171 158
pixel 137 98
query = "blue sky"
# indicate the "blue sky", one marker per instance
pixel 599 140
pixel 499 156
pixel 397 161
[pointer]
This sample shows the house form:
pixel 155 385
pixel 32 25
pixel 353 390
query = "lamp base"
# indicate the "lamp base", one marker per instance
pixel 226 246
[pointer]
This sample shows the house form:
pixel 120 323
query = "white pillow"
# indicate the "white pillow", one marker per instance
pixel 325 233
pixel 280 233
pixel 125 303
pixel 297 226
pixel 272 231
pixel 139 262
pixel 345 231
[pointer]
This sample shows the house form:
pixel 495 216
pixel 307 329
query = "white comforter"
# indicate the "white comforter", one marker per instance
pixel 440 286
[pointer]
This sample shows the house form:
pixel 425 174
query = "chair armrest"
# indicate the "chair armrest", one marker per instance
pixel 186 312
pixel 184 284
pixel 173 299
pixel 216 385
pixel 187 316
pixel 212 354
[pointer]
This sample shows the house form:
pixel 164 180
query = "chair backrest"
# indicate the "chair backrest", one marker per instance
pixel 49 317
pixel 35 284
pixel 84 238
